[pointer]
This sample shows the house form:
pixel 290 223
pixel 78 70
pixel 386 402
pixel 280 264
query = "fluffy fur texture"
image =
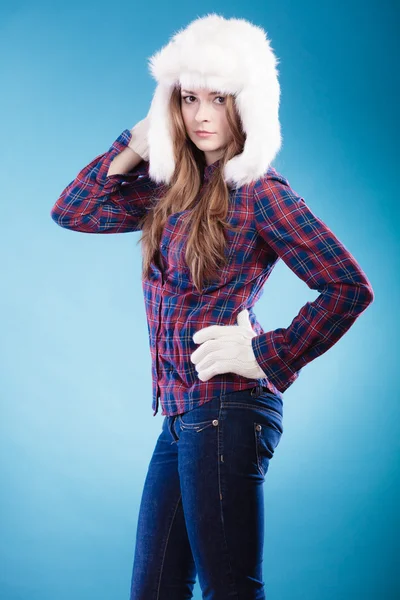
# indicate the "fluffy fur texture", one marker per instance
pixel 232 56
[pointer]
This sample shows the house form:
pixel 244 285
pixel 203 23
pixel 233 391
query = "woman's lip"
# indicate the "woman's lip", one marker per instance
pixel 203 133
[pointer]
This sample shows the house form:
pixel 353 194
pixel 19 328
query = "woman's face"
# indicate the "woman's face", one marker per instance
pixel 206 111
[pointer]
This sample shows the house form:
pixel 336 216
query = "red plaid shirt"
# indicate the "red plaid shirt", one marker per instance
pixel 274 222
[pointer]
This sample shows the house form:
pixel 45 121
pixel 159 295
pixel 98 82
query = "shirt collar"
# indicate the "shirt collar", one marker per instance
pixel 209 169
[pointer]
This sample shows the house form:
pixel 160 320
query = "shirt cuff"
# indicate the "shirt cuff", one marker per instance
pixel 112 182
pixel 266 350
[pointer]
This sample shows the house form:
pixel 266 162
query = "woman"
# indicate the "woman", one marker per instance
pixel 215 218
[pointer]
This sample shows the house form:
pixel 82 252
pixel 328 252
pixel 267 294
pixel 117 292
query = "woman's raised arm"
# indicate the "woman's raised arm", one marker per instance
pixel 99 202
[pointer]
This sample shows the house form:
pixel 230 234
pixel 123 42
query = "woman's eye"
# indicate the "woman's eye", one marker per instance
pixel 186 97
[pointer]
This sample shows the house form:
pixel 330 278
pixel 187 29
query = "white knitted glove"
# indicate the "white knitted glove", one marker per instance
pixel 138 141
pixel 226 349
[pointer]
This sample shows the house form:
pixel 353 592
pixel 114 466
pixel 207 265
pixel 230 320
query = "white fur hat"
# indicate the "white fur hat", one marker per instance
pixel 232 56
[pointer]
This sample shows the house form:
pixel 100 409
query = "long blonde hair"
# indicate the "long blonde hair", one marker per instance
pixel 205 248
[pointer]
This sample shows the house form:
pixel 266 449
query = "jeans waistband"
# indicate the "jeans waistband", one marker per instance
pixel 268 398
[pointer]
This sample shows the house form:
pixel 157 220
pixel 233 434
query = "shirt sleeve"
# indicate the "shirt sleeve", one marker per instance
pixel 315 255
pixel 95 203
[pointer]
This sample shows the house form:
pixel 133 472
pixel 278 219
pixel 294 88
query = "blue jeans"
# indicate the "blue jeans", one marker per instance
pixel 202 508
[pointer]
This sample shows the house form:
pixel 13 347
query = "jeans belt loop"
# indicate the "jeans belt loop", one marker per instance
pixel 256 391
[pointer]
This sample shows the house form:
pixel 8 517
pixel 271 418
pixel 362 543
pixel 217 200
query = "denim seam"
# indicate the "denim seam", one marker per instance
pixel 172 430
pixel 219 448
pixel 165 546
pixel 257 436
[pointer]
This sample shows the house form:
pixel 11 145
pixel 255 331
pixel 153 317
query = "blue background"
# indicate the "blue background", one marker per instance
pixel 77 430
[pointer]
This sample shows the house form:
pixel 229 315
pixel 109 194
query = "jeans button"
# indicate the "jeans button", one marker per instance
pixel 215 422
pixel 258 427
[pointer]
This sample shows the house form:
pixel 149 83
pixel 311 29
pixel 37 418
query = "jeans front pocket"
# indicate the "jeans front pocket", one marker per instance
pixel 201 417
pixel 197 426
